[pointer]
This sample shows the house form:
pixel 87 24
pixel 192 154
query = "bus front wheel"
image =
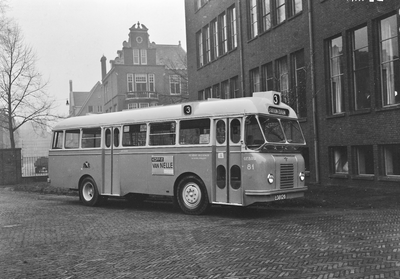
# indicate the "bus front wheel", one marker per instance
pixel 192 196
pixel 88 192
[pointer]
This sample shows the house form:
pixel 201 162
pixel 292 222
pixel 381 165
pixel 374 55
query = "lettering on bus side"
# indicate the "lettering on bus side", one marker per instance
pixel 162 165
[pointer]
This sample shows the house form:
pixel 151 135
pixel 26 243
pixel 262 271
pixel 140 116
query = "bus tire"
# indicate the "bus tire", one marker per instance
pixel 88 192
pixel 192 196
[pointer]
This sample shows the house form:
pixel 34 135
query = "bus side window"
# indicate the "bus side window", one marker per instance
pixel 116 137
pixel 72 138
pixel 58 140
pixel 91 138
pixel 194 131
pixel 235 130
pixel 134 135
pixel 220 131
pixel 108 137
pixel 162 133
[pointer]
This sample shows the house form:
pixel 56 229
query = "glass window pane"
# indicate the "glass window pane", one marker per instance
pixel 340 161
pixel 162 133
pixel 272 129
pixel 235 130
pixel 392 159
pixel 253 137
pixel 362 95
pixel 194 131
pixel 91 138
pixel 220 133
pixel 72 139
pixel 292 131
pixel 134 135
pixel 57 140
pixel 365 160
pixel 389 27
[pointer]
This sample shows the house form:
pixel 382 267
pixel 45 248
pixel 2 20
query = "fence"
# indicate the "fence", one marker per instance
pixel 35 166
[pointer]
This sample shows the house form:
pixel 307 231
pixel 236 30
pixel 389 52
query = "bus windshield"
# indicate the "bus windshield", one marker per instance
pixel 263 130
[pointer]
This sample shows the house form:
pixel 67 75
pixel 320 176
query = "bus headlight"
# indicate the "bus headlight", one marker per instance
pixel 302 176
pixel 270 178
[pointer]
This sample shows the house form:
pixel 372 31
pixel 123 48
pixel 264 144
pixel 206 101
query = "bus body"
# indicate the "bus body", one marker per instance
pixel 231 152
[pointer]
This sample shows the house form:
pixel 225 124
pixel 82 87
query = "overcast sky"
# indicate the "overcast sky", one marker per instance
pixel 70 36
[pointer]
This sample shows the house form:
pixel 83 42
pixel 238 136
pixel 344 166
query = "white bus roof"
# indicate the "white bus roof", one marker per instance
pixel 259 103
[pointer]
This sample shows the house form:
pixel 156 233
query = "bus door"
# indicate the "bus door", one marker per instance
pixel 110 171
pixel 228 142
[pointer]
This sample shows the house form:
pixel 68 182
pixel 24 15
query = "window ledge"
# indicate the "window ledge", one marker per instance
pixel 339 175
pixel 388 108
pixel 363 177
pixel 361 111
pixel 343 114
pixel 389 178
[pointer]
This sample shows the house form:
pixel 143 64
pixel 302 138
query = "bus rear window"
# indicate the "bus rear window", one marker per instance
pixel 162 133
pixel 57 140
pixel 72 138
pixel 91 138
pixel 194 131
pixel 134 135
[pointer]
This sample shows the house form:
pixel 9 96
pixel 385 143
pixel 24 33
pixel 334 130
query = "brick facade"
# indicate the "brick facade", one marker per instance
pixel 349 56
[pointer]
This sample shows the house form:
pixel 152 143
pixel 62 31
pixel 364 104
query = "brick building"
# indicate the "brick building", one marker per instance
pixel 144 74
pixel 335 61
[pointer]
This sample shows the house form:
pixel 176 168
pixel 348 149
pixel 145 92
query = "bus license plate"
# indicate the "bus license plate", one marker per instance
pixel 280 197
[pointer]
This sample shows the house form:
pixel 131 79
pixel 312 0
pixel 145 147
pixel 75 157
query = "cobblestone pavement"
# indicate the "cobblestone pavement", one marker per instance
pixel 50 236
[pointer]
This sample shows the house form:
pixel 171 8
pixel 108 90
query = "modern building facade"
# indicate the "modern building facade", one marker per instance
pixel 336 63
pixel 144 74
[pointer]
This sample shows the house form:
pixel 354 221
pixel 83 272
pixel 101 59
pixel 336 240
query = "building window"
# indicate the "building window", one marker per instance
pixel 216 91
pixel 295 7
pixel 152 87
pixel 143 55
pixel 214 40
pixel 234 87
pixel 130 82
pixel 232 28
pixel 223 33
pixel 391 159
pixel 336 75
pixel 90 109
pixel 225 89
pixel 132 106
pixel 267 73
pixel 175 84
pixel 144 105
pixel 208 93
pixel 283 79
pixel 362 97
pixel 364 159
pixel 136 57
pixel 207 44
pixel 389 63
pixel 255 80
pixel 266 15
pixel 280 8
pixel 200 95
pixel 141 82
pixel 339 161
pixel 200 57
pixel 99 108
pixel 299 79
pixel 253 18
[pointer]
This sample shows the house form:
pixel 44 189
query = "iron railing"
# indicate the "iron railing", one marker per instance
pixel 35 166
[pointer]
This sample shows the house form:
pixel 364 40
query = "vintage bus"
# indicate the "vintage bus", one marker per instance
pixel 228 152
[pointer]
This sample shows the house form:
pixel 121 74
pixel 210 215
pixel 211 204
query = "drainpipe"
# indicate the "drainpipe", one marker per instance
pixel 240 37
pixel 314 109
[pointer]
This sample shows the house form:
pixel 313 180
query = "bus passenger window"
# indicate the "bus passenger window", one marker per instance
pixel 116 137
pixel 162 133
pixel 134 135
pixel 235 130
pixel 221 131
pixel 108 137
pixel 254 138
pixel 72 139
pixel 194 131
pixel 57 140
pixel 91 138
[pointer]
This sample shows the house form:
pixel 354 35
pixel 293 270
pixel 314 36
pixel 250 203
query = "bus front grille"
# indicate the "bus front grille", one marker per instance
pixel 287 176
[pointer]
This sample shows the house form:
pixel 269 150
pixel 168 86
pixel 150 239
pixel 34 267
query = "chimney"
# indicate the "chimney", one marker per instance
pixel 70 86
pixel 103 67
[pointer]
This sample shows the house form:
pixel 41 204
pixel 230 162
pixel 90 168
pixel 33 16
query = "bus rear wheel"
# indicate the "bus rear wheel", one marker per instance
pixel 192 196
pixel 88 192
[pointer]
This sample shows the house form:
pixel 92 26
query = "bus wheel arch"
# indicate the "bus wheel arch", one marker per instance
pixel 89 193
pixel 190 194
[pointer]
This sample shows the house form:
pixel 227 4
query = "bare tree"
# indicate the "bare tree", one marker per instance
pixel 22 92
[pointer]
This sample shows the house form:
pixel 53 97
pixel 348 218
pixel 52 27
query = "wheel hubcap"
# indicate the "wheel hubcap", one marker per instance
pixel 88 191
pixel 191 195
